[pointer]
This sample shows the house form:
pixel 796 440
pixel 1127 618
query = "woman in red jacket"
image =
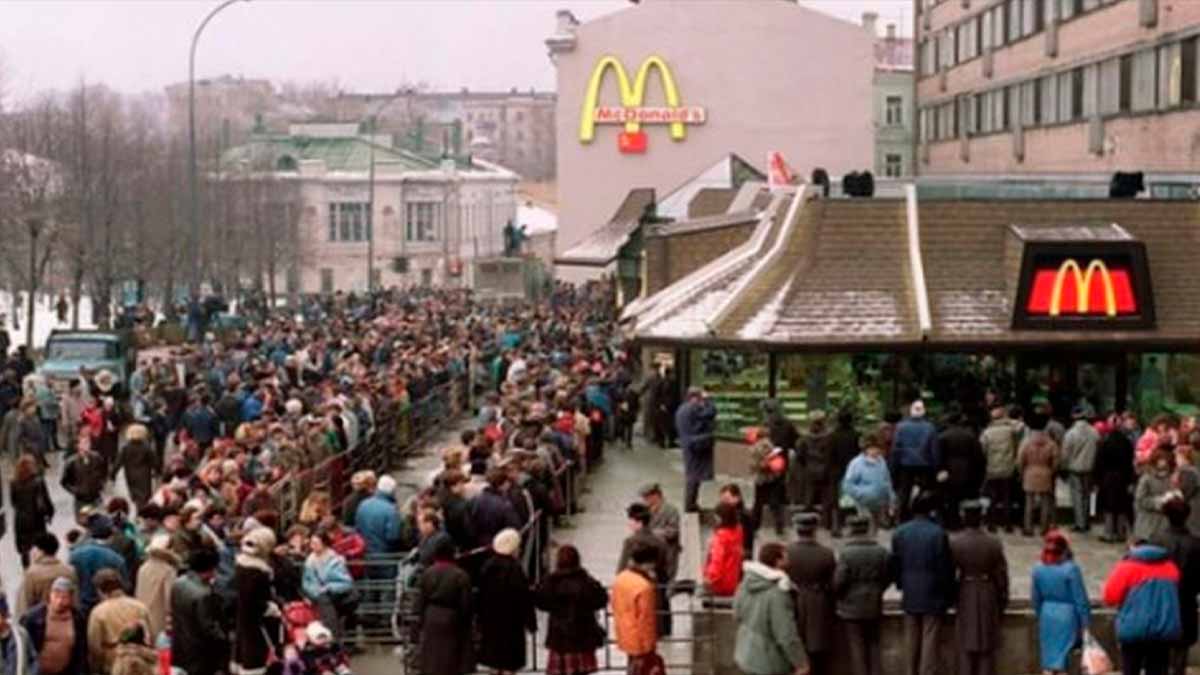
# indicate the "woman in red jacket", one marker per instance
pixel 723 571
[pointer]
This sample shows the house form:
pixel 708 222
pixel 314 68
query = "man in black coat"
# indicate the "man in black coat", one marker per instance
pixel 811 566
pixel 843 448
pixel 962 470
pixel 199 644
pixel 923 569
pixel 861 577
pixel 1184 550
pixel 60 606
pixel 982 592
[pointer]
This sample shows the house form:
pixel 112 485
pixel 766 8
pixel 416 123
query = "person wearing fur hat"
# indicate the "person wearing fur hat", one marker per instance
pixel 252 579
pixel 506 608
pixel 139 460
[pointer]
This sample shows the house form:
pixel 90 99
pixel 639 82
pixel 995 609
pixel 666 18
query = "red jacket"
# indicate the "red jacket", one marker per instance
pixel 723 571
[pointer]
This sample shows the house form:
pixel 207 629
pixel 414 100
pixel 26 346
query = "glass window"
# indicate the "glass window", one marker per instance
pixel 1014 20
pixel 326 280
pixel 348 221
pixel 999 26
pixel 1145 80
pixel 1030 17
pixel 737 382
pixel 423 221
pixel 1066 96
pixel 893 166
pixel 985 31
pixel 1048 95
pixel 1110 86
pixel 1088 99
pixel 1126 82
pixel 1189 80
pixel 1170 68
pixel 894 111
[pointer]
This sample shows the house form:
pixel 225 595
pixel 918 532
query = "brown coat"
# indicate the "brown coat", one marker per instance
pixel 1038 459
pixel 38 579
pixel 135 659
pixel 109 619
pixel 154 581
pixel 982 575
pixel 811 567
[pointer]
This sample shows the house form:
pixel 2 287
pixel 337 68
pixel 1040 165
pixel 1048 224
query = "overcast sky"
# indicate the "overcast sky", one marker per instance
pixel 377 45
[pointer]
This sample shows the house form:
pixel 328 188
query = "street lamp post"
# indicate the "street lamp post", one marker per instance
pixel 193 206
pixel 370 128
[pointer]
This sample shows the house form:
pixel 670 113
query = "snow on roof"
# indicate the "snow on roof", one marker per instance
pixel 537 220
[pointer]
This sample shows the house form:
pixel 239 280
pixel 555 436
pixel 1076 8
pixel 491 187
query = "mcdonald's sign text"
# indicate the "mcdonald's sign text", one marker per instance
pixel 1073 289
pixel 631 112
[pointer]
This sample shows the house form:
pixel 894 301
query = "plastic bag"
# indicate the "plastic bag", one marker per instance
pixel 1095 660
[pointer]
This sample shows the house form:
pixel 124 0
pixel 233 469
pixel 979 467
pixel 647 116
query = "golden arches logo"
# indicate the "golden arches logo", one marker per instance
pixel 631 113
pixel 1083 287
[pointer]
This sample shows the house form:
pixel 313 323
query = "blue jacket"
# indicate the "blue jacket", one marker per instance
pixel 201 424
pixel 379 523
pixel 251 408
pixel 914 444
pixel 88 558
pixel 597 396
pixel 922 566
pixel 326 575
pixel 869 483
pixel 1145 586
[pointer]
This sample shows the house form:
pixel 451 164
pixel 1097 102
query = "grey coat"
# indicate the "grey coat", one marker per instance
pixel 861 577
pixel 1079 448
pixel 665 524
pixel 1148 516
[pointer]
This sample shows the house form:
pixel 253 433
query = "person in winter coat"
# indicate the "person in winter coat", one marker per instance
pixel 492 511
pixel 571 597
pixel 982 583
pixel 723 564
pixel 869 483
pixel 1184 550
pixel 641 536
pixel 1144 586
pixel 696 421
pixel 252 578
pixel 444 609
pixel 767 641
pixel 914 456
pixel 923 569
pixel 999 443
pixel 810 567
pixel 665 524
pixel 378 521
pixel 1060 602
pixel 199 642
pixel 17 655
pixel 1187 481
pixel 962 469
pixel 139 460
pixel 93 555
pixel 809 464
pixel 32 508
pixel 768 464
pixel 635 608
pixel 155 579
pixel 1079 448
pixel 1154 489
pixel 85 474
pixel 1114 474
pixel 843 448
pixel 327 583
pixel 1038 461
pixel 362 485
pixel 862 575
pixel 133 655
pixel 506 609
pixel 58 618
pixel 113 616
pixel 44 569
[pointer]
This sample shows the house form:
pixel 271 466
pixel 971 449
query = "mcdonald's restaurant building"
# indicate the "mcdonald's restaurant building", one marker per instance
pixel 864 304
pixel 651 95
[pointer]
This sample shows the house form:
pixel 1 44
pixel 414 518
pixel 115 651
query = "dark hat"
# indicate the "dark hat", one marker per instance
pixel 805 523
pixel 1080 412
pixel 100 527
pixel 649 489
pixel 859 524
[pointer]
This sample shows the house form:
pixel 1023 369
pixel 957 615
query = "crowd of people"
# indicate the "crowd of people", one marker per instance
pixel 201 559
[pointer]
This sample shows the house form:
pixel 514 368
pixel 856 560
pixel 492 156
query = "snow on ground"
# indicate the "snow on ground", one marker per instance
pixel 45 319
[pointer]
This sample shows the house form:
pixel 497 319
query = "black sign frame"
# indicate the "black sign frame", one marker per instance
pixel 1084 252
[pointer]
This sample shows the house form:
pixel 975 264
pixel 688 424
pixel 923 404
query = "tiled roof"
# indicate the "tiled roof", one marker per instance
pixel 847 280
pixel 701 224
pixel 339 154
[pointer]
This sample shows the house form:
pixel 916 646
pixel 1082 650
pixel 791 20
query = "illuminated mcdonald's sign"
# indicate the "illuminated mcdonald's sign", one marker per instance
pixel 632 113
pixel 1088 287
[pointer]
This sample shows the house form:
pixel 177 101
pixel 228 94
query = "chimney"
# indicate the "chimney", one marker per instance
pixel 891 32
pixel 566 22
pixel 868 22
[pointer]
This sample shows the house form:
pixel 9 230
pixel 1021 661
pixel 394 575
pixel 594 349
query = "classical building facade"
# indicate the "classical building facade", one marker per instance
pixel 895 110
pixel 1058 86
pixel 435 216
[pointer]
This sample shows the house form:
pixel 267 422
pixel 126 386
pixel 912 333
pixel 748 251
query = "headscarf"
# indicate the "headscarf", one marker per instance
pixel 1056 547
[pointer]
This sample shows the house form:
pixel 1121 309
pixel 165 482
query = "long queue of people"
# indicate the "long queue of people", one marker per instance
pixel 200 563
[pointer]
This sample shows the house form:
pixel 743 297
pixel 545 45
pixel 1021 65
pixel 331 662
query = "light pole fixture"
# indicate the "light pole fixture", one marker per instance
pixel 194 201
pixel 369 124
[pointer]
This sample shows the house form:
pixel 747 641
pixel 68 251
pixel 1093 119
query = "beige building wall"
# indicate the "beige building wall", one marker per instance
pixel 773 75
pixel 1160 130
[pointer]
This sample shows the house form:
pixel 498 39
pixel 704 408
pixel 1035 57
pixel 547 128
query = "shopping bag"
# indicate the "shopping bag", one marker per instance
pixel 1095 660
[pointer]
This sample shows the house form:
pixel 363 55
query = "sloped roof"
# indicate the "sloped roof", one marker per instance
pixel 339 154
pixel 601 247
pixel 847 280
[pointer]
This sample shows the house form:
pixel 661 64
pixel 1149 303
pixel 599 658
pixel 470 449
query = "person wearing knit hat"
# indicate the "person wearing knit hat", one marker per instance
pixel 506 608
pixel 1064 611
pixel 252 578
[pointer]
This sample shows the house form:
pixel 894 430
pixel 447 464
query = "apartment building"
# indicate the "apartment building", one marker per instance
pixel 1057 86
